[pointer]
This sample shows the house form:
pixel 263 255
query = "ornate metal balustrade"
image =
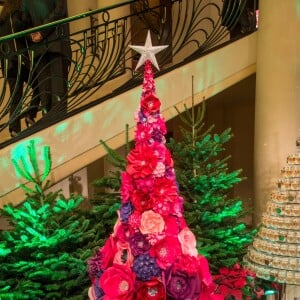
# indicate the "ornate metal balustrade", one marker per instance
pixel 103 65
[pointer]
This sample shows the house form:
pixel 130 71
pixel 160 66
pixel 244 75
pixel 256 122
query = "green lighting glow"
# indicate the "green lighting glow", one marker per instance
pixel 61 128
pixel 88 117
pixel 20 151
pixel 298 7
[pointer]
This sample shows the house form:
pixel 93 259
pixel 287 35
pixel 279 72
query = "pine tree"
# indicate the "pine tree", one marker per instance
pixel 44 254
pixel 206 182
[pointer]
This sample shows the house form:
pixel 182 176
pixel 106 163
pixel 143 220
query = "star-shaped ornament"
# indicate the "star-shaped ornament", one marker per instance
pixel 148 52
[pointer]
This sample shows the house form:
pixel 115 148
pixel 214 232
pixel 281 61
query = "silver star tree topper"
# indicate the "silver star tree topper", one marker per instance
pixel 148 52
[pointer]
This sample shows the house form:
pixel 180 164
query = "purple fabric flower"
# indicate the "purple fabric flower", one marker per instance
pixel 94 265
pixel 139 244
pixel 157 135
pixel 145 267
pixel 98 290
pixel 181 286
pixel 125 211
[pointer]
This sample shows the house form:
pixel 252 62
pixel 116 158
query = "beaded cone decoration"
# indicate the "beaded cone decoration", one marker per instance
pixel 275 252
pixel 151 253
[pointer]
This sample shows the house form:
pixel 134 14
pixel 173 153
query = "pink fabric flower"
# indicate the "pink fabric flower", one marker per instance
pixel 123 255
pixel 160 169
pixel 166 251
pixel 143 132
pixel 134 220
pixel 188 242
pixel 151 222
pixel 118 282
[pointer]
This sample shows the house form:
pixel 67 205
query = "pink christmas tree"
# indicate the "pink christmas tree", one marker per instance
pixel 151 253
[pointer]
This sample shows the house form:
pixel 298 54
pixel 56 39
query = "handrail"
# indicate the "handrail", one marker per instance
pixel 101 56
pixel 63 21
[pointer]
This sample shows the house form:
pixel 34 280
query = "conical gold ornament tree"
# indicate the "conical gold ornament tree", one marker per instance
pixel 275 252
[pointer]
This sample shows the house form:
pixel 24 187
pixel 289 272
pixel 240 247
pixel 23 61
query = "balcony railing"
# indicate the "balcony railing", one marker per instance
pixel 102 63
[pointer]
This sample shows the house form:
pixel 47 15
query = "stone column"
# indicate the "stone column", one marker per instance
pixel 277 108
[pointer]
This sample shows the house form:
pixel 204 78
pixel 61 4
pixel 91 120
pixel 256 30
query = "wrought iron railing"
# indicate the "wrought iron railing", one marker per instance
pixel 102 64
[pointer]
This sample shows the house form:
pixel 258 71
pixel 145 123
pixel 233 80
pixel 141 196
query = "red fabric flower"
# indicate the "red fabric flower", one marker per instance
pixel 151 290
pixel 126 187
pixel 108 252
pixel 188 264
pixel 143 132
pixel 164 189
pixel 172 225
pixel 150 104
pixel 141 201
pixel 166 251
pixel 145 184
pixel 141 161
pixel 118 282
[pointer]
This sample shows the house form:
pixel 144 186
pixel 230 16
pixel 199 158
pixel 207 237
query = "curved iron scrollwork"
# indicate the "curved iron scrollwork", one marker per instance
pixel 102 64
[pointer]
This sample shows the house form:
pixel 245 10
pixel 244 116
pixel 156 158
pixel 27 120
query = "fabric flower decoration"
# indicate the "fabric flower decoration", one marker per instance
pixel 159 170
pixel 126 187
pixel 123 231
pixel 139 244
pixel 94 265
pixel 188 264
pixel 188 242
pixel 151 222
pixel 145 184
pixel 145 267
pixel 118 282
pixel 141 201
pixel 181 286
pixel 125 211
pixel 134 220
pixel 162 207
pixel 141 161
pixel 150 104
pixel 160 125
pixel 108 252
pixel 172 224
pixel 123 255
pixel 98 291
pixel 143 133
pixel 151 290
pixel 166 251
pixel 164 189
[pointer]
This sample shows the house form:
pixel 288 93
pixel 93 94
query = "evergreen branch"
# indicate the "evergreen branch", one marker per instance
pixel 47 163
pixel 32 157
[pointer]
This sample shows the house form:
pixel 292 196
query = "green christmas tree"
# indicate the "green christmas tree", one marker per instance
pixel 206 184
pixel 44 254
